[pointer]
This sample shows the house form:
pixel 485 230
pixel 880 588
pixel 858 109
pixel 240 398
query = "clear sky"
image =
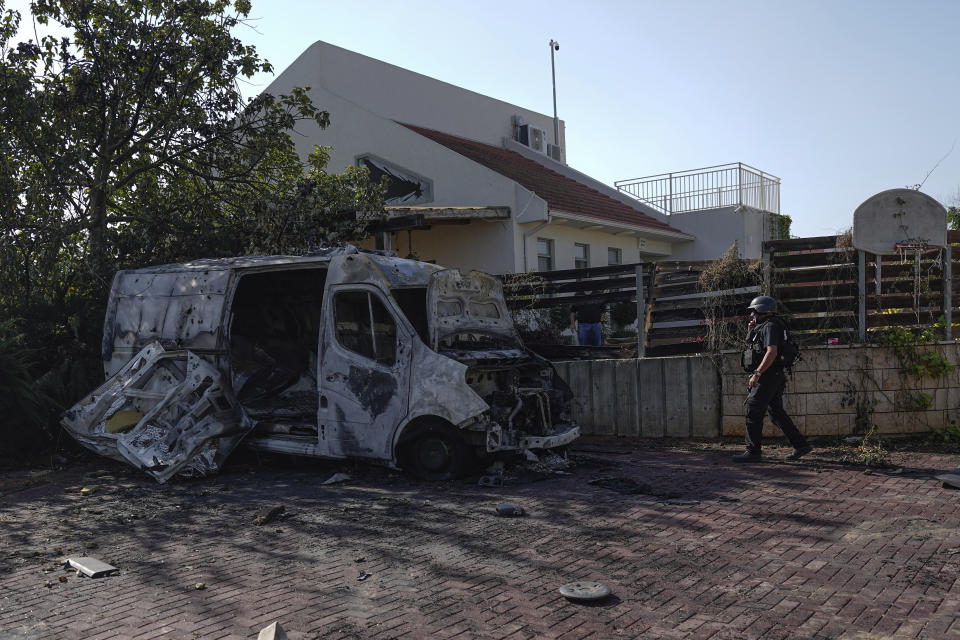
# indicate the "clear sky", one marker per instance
pixel 841 99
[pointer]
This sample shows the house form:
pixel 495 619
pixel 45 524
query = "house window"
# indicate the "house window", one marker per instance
pixel 581 256
pixel 544 254
pixel 365 327
pixel 614 256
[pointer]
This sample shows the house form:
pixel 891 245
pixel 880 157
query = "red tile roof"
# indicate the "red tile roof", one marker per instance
pixel 560 192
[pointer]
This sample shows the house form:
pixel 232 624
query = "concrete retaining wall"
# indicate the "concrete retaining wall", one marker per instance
pixel 690 397
pixel 830 382
pixel 651 398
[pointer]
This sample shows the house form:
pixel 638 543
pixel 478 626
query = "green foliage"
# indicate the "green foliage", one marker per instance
pixel 947 434
pixel 929 363
pixel 21 402
pixel 914 360
pixel 781 226
pixel 129 143
pixel 920 401
pixel 953 218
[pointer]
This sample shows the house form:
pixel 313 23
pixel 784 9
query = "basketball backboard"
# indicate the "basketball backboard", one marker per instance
pixel 899 216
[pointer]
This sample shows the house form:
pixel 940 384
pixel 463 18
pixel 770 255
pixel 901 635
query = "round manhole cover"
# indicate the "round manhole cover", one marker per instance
pixel 585 590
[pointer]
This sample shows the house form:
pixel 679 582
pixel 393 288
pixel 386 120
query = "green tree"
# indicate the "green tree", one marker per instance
pixel 144 96
pixel 129 142
pixel 953 211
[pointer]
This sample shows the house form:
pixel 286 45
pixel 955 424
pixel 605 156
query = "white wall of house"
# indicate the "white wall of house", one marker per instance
pixel 481 244
pixel 565 236
pixel 366 99
pixel 405 96
pixel 717 229
pixel 356 131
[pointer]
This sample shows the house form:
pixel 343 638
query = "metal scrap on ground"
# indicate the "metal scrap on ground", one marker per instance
pixel 92 567
pixel 273 632
pixel 950 479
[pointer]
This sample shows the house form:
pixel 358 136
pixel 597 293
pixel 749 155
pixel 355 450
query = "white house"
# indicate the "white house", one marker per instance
pixel 474 182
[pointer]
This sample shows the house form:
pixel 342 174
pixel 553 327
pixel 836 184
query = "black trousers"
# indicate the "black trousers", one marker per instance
pixel 768 396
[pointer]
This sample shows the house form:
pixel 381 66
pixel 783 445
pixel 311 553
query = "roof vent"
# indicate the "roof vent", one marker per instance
pixel 555 152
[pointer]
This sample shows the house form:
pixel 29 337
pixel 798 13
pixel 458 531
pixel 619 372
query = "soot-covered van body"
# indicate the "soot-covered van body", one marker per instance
pixel 348 354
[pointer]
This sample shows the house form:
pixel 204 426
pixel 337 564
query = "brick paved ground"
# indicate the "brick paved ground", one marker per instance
pixel 775 550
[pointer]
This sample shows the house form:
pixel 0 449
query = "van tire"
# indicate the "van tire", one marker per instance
pixel 436 452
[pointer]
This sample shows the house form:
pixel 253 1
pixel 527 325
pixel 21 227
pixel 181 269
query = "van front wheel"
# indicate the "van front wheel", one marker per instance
pixel 436 454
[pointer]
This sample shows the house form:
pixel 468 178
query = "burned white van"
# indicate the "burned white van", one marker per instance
pixel 349 354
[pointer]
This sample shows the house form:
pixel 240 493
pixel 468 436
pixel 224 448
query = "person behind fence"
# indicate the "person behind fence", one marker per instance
pixel 585 322
pixel 766 336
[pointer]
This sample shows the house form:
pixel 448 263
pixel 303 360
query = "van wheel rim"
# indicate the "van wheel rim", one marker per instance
pixel 434 454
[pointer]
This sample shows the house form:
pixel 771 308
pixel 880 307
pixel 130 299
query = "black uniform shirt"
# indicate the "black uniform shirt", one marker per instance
pixel 767 334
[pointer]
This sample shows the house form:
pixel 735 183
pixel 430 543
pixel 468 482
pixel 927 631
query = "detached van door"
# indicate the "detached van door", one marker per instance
pixel 364 372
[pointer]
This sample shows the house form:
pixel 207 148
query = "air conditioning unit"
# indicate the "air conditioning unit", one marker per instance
pixel 534 138
pixel 555 152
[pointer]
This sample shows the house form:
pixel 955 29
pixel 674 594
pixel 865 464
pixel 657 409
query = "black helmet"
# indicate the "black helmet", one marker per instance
pixel 763 304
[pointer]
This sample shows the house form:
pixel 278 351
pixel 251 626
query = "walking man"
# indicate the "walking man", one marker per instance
pixel 766 335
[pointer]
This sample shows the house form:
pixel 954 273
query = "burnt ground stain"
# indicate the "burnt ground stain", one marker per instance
pixel 374 389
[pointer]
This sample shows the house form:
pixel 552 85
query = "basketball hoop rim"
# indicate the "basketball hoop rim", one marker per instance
pixel 914 246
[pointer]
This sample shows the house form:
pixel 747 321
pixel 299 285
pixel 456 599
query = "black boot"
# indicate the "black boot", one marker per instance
pixel 799 452
pixel 748 456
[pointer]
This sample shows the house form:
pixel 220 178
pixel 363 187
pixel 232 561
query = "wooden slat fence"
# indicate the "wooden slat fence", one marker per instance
pixel 546 289
pixel 818 282
pixel 677 322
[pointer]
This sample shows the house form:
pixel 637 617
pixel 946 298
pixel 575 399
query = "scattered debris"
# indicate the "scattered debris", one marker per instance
pixel 86 491
pixel 680 502
pixel 585 590
pixel 48 584
pixel 949 480
pixel 200 586
pixel 359 559
pixel 90 567
pixel 490 481
pixel 273 632
pixel 337 478
pixel 551 463
pixel 510 510
pixel 270 516
pixel 363 576
pixel 62 578
pixel 629 486
pixel 531 456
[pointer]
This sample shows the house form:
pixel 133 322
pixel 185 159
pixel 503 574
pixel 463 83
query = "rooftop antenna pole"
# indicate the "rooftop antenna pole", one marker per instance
pixel 554 46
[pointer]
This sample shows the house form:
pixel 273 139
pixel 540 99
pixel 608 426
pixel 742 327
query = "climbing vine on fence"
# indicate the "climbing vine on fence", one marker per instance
pixel 723 312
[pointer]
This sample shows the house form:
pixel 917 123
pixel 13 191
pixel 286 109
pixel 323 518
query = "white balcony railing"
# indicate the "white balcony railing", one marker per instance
pixel 726 185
